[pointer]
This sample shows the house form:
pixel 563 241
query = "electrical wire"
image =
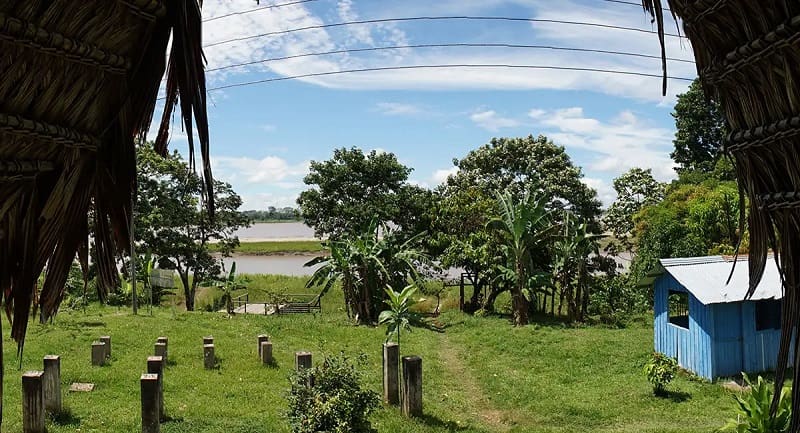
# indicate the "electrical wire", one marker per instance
pixel 396 68
pixel 447 45
pixel 435 18
pixel 273 6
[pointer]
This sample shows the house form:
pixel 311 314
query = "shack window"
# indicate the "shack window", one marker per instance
pixel 679 308
pixel 768 314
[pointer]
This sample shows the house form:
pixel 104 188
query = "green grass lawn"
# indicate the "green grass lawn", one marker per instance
pixel 480 375
pixel 276 247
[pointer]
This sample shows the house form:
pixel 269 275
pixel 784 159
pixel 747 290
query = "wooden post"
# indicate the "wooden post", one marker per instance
pixel 164 340
pixel 209 359
pixel 261 338
pixel 411 404
pixel 32 402
pixel 302 360
pixel 208 340
pixel 150 407
pixel 155 365
pixel 107 340
pixel 266 353
pixel 391 374
pixel 98 353
pixel 161 350
pixel 52 383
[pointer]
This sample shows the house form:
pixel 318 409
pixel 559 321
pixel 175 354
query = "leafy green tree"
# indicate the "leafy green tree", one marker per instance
pixel 700 131
pixel 352 188
pixel 524 225
pixel 692 220
pixel 467 202
pixel 172 223
pixel 635 189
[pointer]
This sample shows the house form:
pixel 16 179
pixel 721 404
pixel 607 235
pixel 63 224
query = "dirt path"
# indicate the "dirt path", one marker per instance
pixel 478 405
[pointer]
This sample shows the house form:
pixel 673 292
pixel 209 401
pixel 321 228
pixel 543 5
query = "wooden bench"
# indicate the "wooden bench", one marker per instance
pixel 304 303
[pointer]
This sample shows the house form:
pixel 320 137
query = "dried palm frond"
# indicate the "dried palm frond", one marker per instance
pixel 78 86
pixel 747 54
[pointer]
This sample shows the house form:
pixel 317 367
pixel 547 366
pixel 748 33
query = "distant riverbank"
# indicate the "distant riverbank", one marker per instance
pixel 277 248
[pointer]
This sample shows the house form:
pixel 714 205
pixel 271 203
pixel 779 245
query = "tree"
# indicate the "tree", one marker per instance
pixel 173 224
pixel 635 189
pixel 399 316
pixel 700 131
pixel 524 225
pixel 351 189
pixel 692 220
pixel 467 202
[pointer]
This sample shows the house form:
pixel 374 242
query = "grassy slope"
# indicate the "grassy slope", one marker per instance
pixel 481 375
pixel 275 247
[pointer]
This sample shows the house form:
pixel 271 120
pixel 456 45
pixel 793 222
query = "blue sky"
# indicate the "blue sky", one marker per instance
pixel 264 135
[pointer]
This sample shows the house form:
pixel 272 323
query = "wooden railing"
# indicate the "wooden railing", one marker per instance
pixel 241 300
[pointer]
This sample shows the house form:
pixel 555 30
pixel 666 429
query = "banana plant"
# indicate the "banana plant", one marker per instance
pixel 228 284
pixel 399 315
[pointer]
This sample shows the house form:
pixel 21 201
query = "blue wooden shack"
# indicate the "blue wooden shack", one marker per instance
pixel 707 325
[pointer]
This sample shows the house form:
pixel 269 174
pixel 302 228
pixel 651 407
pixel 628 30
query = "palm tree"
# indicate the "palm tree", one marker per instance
pixel 524 225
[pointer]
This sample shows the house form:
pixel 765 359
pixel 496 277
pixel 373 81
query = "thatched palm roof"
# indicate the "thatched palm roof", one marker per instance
pixel 78 85
pixel 748 59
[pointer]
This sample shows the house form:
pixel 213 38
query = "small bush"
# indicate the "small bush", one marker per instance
pixel 660 370
pixel 337 402
pixel 753 411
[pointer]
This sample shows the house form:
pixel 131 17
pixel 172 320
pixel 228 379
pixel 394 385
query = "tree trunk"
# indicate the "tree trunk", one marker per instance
pixel 188 290
pixel 519 305
pixel 488 303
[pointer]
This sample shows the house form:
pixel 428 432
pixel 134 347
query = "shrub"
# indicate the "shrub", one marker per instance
pixel 336 403
pixel 753 411
pixel 660 370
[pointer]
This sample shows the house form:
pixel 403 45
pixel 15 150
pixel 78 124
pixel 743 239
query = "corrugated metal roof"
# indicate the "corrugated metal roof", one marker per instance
pixel 706 277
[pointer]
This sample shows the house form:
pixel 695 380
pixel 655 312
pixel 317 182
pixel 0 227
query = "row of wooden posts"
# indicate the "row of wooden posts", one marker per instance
pixel 41 390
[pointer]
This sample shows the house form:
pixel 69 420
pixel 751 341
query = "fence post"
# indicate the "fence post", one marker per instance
pixel 261 338
pixel 107 340
pixel 52 383
pixel 150 404
pixel 32 402
pixel 98 353
pixel 302 361
pixel 208 340
pixel 209 359
pixel 161 350
pixel 155 365
pixel 391 373
pixel 266 352
pixel 412 386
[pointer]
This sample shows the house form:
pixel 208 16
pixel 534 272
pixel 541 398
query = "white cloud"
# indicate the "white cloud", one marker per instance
pixel 398 109
pixel 270 170
pixel 491 121
pixel 441 175
pixel 393 34
pixel 616 146
pixel 268 128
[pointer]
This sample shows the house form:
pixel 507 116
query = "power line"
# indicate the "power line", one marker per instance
pixel 273 6
pixel 436 18
pixel 396 68
pixel 448 45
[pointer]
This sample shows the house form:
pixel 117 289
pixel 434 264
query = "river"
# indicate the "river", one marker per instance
pixel 287 231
